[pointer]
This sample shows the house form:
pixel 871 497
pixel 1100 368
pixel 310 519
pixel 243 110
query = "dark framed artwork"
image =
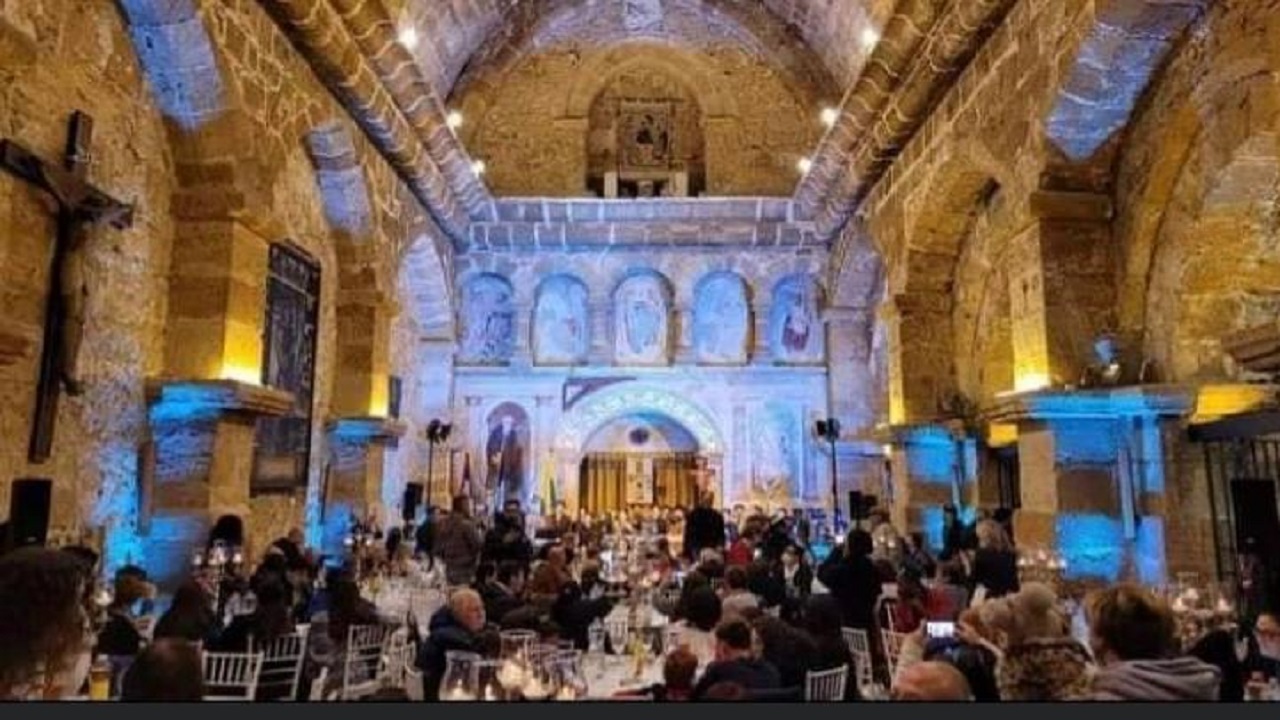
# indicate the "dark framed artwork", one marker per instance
pixel 395 390
pixel 282 449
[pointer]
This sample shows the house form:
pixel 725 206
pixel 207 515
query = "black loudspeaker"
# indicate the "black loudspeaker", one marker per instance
pixel 412 499
pixel 30 500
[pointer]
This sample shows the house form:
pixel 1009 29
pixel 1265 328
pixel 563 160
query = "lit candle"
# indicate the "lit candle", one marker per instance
pixel 534 689
pixel 1179 605
pixel 459 694
pixel 490 693
pixel 197 560
pixel 1224 607
pixel 237 559
pixel 511 675
pixel 566 694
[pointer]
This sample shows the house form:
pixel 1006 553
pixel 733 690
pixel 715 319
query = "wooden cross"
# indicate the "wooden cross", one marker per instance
pixel 80 205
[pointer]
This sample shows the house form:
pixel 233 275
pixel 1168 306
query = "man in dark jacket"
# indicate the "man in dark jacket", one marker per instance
pixel 704 528
pixel 460 625
pixel 736 663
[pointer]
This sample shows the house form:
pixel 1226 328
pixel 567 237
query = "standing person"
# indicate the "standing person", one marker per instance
pixel 851 577
pixel 995 564
pixel 425 535
pixel 704 528
pixel 458 543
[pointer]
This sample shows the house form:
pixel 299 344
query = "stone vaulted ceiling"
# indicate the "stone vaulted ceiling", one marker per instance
pixel 457 37
pixel 881 63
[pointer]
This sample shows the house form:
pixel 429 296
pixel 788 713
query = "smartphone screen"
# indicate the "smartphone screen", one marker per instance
pixel 940 629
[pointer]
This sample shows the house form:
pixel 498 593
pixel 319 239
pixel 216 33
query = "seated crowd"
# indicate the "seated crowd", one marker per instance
pixel 754 608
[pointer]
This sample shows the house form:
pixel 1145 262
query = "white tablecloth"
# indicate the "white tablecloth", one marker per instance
pixel 617 674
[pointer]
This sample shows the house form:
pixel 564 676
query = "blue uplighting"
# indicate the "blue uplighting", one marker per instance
pixel 1092 545
pixel 117 506
pixel 180 64
pixel 932 456
pixel 1148 551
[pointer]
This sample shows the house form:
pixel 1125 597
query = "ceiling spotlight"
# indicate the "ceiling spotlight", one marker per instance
pixel 870 36
pixel 829 116
pixel 453 120
pixel 478 167
pixel 804 166
pixel 409 38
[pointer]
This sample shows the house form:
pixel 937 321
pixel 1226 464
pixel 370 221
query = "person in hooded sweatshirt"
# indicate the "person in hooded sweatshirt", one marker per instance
pixel 1134 638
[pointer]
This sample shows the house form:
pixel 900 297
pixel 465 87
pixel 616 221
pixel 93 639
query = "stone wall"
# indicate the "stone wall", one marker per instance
pixel 57 57
pixel 184 152
pixel 1197 184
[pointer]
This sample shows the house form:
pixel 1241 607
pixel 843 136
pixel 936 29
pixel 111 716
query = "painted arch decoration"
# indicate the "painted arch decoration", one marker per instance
pixel 596 410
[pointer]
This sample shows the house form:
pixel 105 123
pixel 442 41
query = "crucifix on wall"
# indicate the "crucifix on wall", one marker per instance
pixel 79 207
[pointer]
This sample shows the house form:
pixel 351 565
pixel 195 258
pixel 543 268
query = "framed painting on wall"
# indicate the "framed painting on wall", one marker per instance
pixel 644 136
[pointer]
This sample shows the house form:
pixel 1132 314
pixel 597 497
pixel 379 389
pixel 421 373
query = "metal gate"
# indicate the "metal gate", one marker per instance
pixel 1226 462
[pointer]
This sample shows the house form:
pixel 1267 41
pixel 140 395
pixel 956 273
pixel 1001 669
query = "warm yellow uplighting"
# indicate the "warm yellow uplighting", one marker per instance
pixel 830 116
pixel 453 120
pixel 804 165
pixel 244 373
pixel 1218 401
pixel 1002 435
pixel 409 38
pixel 1030 382
pixel 869 38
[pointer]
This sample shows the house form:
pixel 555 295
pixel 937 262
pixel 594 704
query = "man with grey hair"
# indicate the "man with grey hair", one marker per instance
pixel 931 682
pixel 459 625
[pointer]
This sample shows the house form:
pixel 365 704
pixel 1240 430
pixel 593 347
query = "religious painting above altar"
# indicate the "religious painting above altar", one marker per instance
pixel 641 309
pixel 645 136
pixel 721 320
pixel 561 323
pixel 488 321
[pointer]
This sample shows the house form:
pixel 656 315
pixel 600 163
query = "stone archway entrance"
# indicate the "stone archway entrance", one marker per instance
pixel 645 424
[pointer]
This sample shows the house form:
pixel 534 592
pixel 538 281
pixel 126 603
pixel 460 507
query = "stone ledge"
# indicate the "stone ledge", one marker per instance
pixel 1100 403
pixel 1256 349
pixel 191 397
pixel 367 429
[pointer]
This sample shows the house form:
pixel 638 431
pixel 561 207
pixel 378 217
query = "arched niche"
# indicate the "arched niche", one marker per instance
pixel 642 432
pixel 642 320
pixel 488 321
pixel 561 324
pixel 721 319
pixel 795 325
pixel 646 126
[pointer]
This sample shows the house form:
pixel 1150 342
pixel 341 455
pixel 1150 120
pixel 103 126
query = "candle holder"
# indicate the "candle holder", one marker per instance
pixel 1042 565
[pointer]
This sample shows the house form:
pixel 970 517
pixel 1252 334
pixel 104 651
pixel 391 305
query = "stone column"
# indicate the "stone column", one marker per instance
pixel 357 447
pixel 849 381
pixel 364 328
pixel 204 407
pixel 685 351
pixel 920 356
pixel 761 349
pixel 522 357
pixel 203 438
pixel 601 312
pixel 1061 287
pixel 1092 477
pixel 926 461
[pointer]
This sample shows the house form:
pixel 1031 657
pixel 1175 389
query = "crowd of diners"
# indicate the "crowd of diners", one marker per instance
pixel 755 603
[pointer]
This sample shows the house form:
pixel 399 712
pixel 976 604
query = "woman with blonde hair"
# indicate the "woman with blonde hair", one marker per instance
pixel 1040 661
pixel 995 564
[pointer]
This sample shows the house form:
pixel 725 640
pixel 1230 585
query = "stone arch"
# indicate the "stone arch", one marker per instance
pixel 1198 287
pixel 561 326
pixel 1112 66
pixel 689 68
pixel 604 406
pixel 344 192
